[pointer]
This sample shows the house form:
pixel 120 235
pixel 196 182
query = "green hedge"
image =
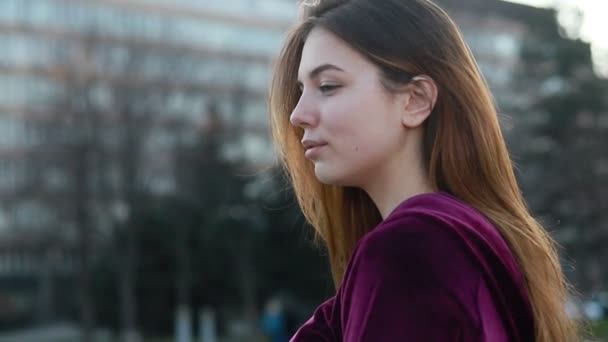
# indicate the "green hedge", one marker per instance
pixel 600 330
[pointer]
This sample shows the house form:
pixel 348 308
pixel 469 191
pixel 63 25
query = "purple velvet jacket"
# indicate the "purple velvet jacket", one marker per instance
pixel 434 270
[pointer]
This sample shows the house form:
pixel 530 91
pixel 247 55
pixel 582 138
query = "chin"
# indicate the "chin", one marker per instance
pixel 331 176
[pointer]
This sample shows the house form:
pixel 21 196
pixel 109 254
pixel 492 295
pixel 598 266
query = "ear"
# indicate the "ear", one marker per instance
pixel 422 92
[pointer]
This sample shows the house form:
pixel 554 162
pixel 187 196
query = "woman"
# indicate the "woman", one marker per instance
pixel 390 137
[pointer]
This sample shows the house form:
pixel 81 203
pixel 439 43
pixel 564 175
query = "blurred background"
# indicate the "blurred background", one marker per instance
pixel 139 196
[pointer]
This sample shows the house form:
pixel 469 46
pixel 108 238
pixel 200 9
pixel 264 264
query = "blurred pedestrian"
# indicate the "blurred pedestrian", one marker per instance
pixel 274 323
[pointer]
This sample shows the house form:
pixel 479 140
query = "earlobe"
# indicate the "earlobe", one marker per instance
pixel 413 120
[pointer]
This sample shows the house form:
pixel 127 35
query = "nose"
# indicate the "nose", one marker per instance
pixel 305 114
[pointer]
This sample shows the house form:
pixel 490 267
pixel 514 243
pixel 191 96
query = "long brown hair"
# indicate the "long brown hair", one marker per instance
pixel 464 150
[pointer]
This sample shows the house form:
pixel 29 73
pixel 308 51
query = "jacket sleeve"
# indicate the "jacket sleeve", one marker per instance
pixel 319 328
pixel 412 280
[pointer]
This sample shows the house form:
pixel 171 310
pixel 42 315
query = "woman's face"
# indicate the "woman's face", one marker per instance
pixel 346 112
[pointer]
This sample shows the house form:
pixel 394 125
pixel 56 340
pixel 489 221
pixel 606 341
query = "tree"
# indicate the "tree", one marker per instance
pixel 561 151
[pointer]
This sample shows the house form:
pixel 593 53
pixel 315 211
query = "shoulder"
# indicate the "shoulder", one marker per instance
pixel 424 223
pixel 436 221
pixel 418 244
pixel 440 220
pixel 412 275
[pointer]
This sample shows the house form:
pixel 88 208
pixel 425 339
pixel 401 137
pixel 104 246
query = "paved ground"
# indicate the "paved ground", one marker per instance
pixel 64 332
pixel 61 332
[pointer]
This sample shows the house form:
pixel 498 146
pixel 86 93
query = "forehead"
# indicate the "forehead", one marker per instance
pixel 323 47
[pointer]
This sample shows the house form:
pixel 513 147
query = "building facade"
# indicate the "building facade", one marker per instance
pixel 189 56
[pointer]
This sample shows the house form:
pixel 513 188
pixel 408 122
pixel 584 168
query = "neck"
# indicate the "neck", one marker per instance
pixel 398 181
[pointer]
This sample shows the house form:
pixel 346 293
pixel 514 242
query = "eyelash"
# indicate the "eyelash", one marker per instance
pixel 323 88
pixel 328 87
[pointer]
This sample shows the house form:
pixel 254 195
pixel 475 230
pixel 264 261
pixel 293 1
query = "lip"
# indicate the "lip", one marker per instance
pixel 308 143
pixel 313 151
pixel 312 147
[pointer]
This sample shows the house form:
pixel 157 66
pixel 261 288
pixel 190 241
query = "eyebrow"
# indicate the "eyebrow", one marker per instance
pixel 316 71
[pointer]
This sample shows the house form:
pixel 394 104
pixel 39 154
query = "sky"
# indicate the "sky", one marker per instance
pixel 594 25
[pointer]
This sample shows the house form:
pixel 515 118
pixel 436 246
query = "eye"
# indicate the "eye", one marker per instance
pixel 326 88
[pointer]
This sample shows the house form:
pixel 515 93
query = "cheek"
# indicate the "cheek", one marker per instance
pixel 356 135
pixel 346 119
pixel 358 125
pixel 358 144
pixel 350 163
